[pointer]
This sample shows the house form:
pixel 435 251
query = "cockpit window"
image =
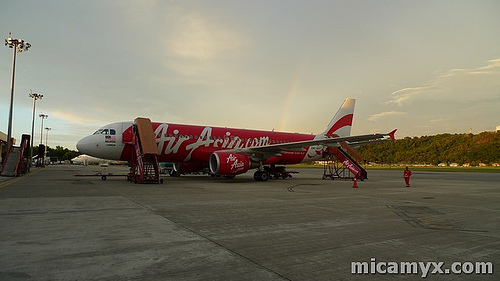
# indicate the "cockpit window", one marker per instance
pixel 105 132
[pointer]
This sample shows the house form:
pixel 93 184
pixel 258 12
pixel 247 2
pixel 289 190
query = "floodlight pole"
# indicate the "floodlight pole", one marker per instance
pixel 12 74
pixel 34 96
pixel 43 116
pixel 47 140
pixel 17 46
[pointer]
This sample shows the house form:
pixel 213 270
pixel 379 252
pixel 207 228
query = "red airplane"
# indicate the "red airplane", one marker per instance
pixel 228 151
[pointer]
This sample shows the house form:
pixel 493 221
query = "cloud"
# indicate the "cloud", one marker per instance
pixel 387 114
pixel 198 49
pixel 460 85
pixel 71 117
pixel 199 38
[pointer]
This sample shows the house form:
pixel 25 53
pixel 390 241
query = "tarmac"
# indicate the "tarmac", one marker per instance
pixel 55 226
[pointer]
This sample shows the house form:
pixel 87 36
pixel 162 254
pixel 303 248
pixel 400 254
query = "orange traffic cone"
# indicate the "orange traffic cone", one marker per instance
pixel 355 184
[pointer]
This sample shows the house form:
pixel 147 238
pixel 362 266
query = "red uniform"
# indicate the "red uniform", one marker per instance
pixel 407 175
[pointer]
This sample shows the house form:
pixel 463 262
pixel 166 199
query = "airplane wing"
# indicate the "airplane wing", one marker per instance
pixel 261 153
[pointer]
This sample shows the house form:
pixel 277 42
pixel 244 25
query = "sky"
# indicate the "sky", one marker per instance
pixel 423 67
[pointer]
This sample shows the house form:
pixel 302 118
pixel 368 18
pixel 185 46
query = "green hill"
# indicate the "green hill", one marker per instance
pixel 443 148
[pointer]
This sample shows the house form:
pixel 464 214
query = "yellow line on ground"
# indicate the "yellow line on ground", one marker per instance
pixel 16 179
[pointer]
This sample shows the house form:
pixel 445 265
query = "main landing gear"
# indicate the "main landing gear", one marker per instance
pixel 260 176
pixel 264 173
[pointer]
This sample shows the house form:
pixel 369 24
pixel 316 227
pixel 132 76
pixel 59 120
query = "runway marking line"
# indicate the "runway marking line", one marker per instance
pixel 16 179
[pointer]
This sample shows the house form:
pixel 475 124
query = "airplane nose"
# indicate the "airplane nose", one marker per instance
pixel 96 146
pixel 83 145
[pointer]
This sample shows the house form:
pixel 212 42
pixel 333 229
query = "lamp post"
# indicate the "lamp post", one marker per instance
pixel 43 116
pixel 47 140
pixel 17 46
pixel 42 161
pixel 34 96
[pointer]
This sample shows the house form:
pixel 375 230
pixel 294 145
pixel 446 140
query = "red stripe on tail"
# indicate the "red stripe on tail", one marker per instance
pixel 342 122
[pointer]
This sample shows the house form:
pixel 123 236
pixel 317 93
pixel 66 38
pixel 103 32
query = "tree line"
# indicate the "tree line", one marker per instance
pixel 59 152
pixel 434 150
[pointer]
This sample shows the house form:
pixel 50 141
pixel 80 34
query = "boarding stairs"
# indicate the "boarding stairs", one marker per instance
pixel 339 164
pixel 144 167
pixel 14 164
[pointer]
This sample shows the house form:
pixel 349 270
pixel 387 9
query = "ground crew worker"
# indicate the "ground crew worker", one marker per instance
pixel 407 175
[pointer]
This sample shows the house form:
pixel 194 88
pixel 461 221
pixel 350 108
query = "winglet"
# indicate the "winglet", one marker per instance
pixel 391 134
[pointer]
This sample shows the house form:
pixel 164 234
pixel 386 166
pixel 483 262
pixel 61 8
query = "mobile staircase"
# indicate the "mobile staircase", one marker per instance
pixel 144 167
pixel 340 165
pixel 13 164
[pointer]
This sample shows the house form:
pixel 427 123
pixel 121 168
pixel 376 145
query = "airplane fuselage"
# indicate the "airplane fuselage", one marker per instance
pixel 184 143
pixel 190 143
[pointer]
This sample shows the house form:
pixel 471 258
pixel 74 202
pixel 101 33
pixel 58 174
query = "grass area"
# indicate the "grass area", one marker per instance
pixel 413 168
pixel 439 169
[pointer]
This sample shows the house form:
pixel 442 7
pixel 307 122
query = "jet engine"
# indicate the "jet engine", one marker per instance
pixel 227 163
pixel 180 168
pixel 189 167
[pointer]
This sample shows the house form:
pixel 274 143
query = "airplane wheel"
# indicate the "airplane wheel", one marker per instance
pixel 260 176
pixel 256 175
pixel 103 178
pixel 175 173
